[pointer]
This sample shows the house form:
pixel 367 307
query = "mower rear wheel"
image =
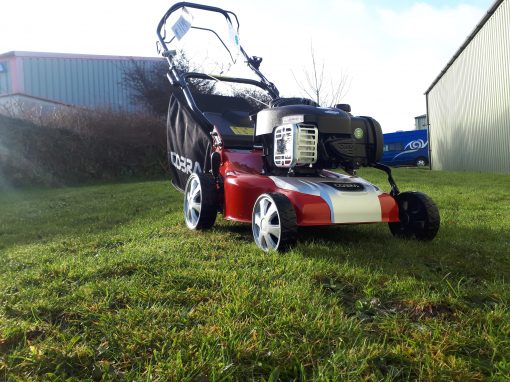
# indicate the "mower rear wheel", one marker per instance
pixel 274 222
pixel 200 201
pixel 419 217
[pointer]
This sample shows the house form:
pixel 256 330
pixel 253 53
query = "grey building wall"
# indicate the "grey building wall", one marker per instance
pixel 469 105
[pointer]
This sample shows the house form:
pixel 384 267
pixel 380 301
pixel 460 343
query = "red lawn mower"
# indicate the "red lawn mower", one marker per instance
pixel 271 165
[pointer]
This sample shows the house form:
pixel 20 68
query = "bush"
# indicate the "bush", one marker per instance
pixel 70 147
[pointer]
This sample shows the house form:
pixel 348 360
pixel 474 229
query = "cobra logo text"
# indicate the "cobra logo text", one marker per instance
pixel 184 164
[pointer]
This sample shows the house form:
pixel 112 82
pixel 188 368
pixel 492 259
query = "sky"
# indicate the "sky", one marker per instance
pixel 390 51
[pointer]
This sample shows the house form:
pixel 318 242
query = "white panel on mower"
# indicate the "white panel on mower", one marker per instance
pixel 345 206
pixel 295 145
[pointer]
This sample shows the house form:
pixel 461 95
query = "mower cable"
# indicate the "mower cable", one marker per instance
pixel 247 95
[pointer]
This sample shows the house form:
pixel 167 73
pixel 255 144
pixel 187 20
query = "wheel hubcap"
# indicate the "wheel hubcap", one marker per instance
pixel 193 203
pixel 266 224
pixel 412 215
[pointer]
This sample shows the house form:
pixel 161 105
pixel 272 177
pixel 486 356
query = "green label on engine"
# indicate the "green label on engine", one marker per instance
pixel 358 133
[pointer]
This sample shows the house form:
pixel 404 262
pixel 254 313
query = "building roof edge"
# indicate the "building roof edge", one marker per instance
pixel 18 53
pixel 471 36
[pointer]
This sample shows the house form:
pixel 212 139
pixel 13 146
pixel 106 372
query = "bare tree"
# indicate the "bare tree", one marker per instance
pixel 316 84
pixel 148 84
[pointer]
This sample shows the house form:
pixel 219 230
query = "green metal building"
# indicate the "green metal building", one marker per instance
pixel 88 81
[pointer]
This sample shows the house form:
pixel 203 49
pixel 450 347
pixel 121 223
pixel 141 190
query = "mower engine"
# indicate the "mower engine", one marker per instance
pixel 304 139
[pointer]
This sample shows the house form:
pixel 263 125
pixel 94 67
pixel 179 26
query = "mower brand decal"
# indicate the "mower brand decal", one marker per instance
pixel 358 133
pixel 293 119
pixel 183 24
pixel 233 42
pixel 345 186
pixel 184 164
pixel 234 37
pixel 242 130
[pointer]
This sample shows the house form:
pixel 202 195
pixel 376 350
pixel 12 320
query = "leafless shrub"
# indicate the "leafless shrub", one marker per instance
pixel 320 85
pixel 72 146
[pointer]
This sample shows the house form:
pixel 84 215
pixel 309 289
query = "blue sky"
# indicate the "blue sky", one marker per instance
pixel 390 50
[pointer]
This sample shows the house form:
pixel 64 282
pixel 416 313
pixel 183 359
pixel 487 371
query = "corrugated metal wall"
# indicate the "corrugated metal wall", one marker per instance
pixel 88 82
pixel 469 108
pixel 5 78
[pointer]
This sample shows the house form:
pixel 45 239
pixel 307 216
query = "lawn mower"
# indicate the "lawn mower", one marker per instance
pixel 276 165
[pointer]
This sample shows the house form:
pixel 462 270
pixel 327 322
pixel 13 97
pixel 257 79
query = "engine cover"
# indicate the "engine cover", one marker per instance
pixel 327 120
pixel 363 147
pixel 343 140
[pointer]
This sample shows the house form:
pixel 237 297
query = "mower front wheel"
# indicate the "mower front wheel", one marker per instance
pixel 200 201
pixel 274 222
pixel 419 217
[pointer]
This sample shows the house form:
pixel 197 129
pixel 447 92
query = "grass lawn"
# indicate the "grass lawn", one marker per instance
pixel 104 282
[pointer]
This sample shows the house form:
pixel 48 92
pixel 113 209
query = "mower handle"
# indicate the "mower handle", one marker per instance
pixel 183 4
pixel 237 80
pixel 253 62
